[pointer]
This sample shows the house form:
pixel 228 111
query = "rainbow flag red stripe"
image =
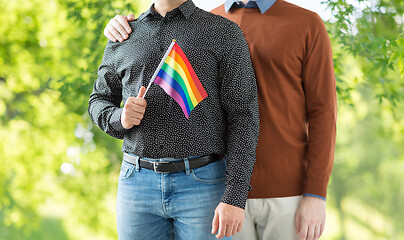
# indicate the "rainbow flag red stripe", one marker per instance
pixel 179 80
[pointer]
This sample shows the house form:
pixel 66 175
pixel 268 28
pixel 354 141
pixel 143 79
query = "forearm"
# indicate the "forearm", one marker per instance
pixel 242 141
pixel 321 147
pixel 322 119
pixel 106 115
pixel 238 179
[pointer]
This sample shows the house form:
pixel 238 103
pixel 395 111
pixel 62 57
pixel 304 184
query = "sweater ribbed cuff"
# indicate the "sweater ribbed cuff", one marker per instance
pixel 316 187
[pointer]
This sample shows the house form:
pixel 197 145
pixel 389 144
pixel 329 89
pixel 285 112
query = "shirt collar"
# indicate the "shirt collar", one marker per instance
pixel 186 9
pixel 263 5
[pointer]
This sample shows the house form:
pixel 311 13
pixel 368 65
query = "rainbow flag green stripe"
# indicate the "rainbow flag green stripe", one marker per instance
pixel 179 80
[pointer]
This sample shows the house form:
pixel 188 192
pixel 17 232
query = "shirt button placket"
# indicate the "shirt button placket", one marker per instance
pixel 162 33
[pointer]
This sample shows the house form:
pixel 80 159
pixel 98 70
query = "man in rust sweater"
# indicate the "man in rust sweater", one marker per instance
pixel 292 58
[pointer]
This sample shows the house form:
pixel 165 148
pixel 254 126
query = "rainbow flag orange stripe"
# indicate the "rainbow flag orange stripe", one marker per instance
pixel 179 80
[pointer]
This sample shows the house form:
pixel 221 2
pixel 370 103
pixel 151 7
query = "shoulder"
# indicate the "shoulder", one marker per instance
pixel 137 21
pixel 214 19
pixel 300 19
pixel 217 25
pixel 298 13
pixel 219 10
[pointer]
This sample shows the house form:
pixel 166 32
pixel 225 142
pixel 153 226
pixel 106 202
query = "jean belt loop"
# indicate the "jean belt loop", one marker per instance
pixel 187 169
pixel 137 169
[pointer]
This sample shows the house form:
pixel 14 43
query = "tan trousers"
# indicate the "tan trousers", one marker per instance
pixel 270 219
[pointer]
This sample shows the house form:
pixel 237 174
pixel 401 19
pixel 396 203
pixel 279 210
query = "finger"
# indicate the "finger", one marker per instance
pixel 222 230
pixel 297 223
pixel 310 232
pixel 131 108
pixel 215 223
pixel 141 92
pixel 317 232
pixel 118 26
pixel 131 102
pixel 136 122
pixel 140 102
pixel 303 231
pixel 240 226
pixel 113 31
pixel 321 230
pixel 124 23
pixel 136 115
pixel 128 122
pixel 131 17
pixel 235 229
pixel 134 108
pixel 110 36
pixel 132 120
pixel 229 230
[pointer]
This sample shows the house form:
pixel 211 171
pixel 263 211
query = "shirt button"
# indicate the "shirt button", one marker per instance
pixel 161 146
pixel 161 49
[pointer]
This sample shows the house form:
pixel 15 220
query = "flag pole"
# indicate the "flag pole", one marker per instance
pixel 159 67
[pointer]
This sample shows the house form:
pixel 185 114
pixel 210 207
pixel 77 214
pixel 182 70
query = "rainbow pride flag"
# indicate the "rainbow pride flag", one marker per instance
pixel 179 80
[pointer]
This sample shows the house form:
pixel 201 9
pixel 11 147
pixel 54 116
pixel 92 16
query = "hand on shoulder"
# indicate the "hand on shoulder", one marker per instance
pixel 118 28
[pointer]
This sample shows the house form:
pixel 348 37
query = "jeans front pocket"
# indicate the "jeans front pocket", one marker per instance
pixel 126 170
pixel 212 173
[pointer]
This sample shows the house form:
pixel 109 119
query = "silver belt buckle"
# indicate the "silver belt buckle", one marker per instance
pixel 155 166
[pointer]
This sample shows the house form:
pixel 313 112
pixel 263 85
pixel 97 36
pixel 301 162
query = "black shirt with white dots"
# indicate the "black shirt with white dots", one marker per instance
pixel 225 122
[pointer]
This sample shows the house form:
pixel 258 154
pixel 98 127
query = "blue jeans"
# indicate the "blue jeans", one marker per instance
pixel 168 206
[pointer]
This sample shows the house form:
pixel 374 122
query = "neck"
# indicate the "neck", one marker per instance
pixel 245 1
pixel 164 6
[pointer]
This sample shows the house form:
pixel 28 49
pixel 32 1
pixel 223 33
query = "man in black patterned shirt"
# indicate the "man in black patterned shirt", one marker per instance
pixel 172 178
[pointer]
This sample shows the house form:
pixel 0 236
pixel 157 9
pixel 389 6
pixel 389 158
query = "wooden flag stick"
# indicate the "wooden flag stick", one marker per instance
pixel 159 67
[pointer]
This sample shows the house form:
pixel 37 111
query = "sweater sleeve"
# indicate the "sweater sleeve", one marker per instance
pixel 321 106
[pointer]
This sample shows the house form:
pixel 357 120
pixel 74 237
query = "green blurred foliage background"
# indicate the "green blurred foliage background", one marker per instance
pixel 58 173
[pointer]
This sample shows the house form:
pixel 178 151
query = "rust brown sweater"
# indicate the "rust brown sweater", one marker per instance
pixel 292 58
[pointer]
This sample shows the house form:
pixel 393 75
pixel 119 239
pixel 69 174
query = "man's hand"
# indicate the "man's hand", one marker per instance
pixel 310 218
pixel 118 28
pixel 133 110
pixel 228 220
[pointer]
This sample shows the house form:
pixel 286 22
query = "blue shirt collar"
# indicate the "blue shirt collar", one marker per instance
pixel 263 5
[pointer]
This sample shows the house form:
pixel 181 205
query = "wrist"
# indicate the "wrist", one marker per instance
pixel 116 120
pixel 314 196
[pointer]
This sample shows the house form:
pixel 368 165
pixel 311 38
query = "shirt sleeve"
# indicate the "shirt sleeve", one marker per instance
pixel 321 106
pixel 104 104
pixel 239 99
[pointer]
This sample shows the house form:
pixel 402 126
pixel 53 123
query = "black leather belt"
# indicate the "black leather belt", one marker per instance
pixel 177 166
